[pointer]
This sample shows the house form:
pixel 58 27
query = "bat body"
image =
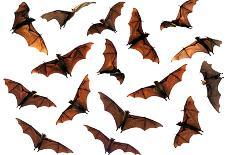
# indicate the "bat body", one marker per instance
pixel 41 141
pixel 123 119
pixel 204 45
pixel 109 21
pixel 64 64
pixel 23 26
pixel 189 126
pixel 182 17
pixel 138 39
pixel 111 145
pixel 163 88
pixel 212 79
pixel 110 64
pixel 78 104
pixel 25 97
pixel 63 16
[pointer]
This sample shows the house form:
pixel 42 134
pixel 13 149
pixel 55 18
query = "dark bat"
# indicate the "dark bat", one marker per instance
pixel 41 141
pixel 63 16
pixel 123 119
pixel 204 45
pixel 111 145
pixel 182 17
pixel 109 21
pixel 64 64
pixel 138 39
pixel 190 125
pixel 78 104
pixel 25 97
pixel 23 26
pixel 110 64
pixel 163 88
pixel 212 79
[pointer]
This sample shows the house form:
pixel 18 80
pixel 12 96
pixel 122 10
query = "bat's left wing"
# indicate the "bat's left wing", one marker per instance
pixel 124 147
pixel 39 101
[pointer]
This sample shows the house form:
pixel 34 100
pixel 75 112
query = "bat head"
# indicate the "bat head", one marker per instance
pixel 33 92
pixel 71 102
pixel 179 124
pixel 197 38
pixel 58 56
pixel 102 21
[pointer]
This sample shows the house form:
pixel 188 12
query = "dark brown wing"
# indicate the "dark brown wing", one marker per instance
pixel 96 28
pixel 124 147
pixel 68 114
pixel 119 76
pixel 29 130
pixel 111 107
pixel 38 101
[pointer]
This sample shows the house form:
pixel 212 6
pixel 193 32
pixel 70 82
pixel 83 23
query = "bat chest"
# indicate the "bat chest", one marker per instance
pixel 161 90
pixel 25 22
pixel 204 45
pixel 25 99
pixel 136 40
pixel 185 125
pixel 63 67
pixel 110 144
pixel 79 107
pixel 125 117
pixel 40 142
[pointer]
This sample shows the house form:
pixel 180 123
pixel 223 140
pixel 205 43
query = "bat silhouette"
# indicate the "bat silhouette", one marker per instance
pixel 78 104
pixel 123 119
pixel 111 145
pixel 204 45
pixel 138 39
pixel 182 17
pixel 63 16
pixel 163 88
pixel 211 80
pixel 25 97
pixel 190 125
pixel 23 26
pixel 109 21
pixel 41 141
pixel 110 64
pixel 64 64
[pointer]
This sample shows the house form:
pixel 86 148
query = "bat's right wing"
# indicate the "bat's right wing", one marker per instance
pixel 39 101
pixel 146 92
pixel 124 147
pixel 96 28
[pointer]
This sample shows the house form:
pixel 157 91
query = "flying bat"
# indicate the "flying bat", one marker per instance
pixel 25 97
pixel 110 64
pixel 109 21
pixel 163 88
pixel 23 26
pixel 138 39
pixel 182 17
pixel 212 79
pixel 78 104
pixel 63 16
pixel 190 125
pixel 123 119
pixel 64 64
pixel 204 45
pixel 110 144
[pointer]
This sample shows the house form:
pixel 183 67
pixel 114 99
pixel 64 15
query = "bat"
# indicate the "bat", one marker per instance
pixel 25 97
pixel 64 64
pixel 78 104
pixel 41 141
pixel 212 79
pixel 110 64
pixel 163 88
pixel 23 26
pixel 138 39
pixel 182 17
pixel 204 45
pixel 110 144
pixel 123 119
pixel 109 21
pixel 190 125
pixel 63 16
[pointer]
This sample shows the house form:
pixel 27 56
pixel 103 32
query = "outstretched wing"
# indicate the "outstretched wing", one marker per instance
pixel 96 28
pixel 82 5
pixel 124 147
pixel 38 101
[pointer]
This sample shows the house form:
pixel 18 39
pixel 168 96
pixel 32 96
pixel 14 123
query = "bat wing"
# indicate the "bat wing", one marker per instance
pixel 111 107
pixel 124 147
pixel 82 5
pixel 96 28
pixel 29 130
pixel 210 43
pixel 39 101
pixel 207 71
pixel 119 76
pixel 17 89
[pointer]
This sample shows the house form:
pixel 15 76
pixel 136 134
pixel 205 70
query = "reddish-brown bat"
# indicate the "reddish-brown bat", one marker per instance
pixel 41 141
pixel 182 17
pixel 110 144
pixel 190 125
pixel 138 39
pixel 78 104
pixel 204 45
pixel 123 119
pixel 25 97
pixel 23 26
pixel 110 64
pixel 163 88
pixel 212 79
pixel 109 21
pixel 64 64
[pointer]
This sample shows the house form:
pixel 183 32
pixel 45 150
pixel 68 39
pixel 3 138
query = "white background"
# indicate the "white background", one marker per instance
pixel 210 18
